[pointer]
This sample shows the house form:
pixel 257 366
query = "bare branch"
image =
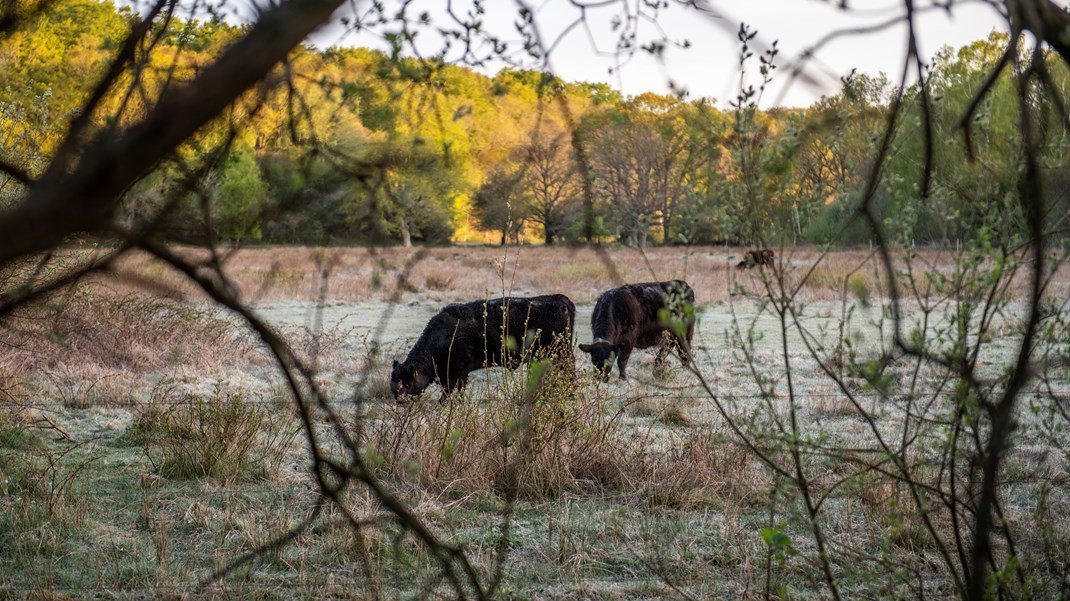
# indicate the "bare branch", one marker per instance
pixel 63 204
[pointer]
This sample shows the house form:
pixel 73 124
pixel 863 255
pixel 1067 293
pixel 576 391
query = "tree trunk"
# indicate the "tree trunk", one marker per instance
pixel 406 237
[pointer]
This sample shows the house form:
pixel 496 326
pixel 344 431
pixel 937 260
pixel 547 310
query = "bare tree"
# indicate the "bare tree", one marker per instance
pixel 550 182
pixel 499 202
pixel 625 161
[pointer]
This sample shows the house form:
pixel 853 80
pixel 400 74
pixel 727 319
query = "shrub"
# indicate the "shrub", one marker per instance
pixel 221 436
pixel 829 226
pixel 437 281
pixel 575 441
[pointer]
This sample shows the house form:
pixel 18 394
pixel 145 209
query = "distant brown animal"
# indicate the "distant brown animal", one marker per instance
pixel 762 257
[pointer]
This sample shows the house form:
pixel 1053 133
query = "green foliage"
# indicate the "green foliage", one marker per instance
pixel 408 196
pixel 838 223
pixel 418 138
pixel 577 230
pixel 971 188
pixel 518 81
pixel 239 195
pixel 26 128
pixel 779 543
pixel 499 205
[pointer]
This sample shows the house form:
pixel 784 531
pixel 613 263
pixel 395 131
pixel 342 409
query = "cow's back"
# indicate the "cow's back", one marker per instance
pixel 551 313
pixel 631 313
pixel 503 325
pixel 617 315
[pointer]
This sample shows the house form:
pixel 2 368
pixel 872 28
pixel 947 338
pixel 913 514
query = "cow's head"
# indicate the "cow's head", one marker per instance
pixel 603 353
pixel 407 380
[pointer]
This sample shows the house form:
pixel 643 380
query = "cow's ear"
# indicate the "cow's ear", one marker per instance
pixel 586 348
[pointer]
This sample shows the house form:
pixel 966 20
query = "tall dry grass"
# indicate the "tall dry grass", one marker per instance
pixel 87 346
pixel 580 441
pixel 343 274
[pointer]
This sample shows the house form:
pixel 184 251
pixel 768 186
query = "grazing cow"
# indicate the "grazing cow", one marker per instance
pixel 762 257
pixel 465 337
pixel 629 317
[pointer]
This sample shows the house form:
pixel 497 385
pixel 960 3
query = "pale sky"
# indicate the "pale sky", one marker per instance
pixel 709 68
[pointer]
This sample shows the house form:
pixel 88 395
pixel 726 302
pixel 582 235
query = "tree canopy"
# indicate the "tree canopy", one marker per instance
pixel 365 147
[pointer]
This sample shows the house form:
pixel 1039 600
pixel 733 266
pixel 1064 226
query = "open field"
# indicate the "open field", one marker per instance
pixel 147 439
pixel 358 275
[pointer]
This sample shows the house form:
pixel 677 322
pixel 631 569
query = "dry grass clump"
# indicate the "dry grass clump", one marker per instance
pixel 133 332
pixel 836 405
pixel 572 273
pixel 838 280
pixel 671 412
pixel 703 468
pixel 13 370
pixel 574 440
pixel 567 441
pixel 80 386
pixel 435 281
pixel 882 504
pixel 331 348
pixel 222 436
pixel 890 509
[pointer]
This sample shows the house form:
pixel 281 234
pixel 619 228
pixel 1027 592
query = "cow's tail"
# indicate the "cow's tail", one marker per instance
pixel 571 308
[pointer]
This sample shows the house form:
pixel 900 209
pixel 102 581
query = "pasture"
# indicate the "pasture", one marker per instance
pixel 147 438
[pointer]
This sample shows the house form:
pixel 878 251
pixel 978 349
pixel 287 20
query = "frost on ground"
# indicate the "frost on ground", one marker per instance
pixel 161 435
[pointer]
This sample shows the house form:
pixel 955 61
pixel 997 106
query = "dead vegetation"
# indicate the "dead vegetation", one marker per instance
pixel 353 274
pixel 616 482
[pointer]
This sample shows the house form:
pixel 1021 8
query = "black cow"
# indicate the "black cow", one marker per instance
pixel 629 317
pixel 465 337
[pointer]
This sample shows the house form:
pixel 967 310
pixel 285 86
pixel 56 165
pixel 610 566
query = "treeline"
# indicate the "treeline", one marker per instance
pixel 361 146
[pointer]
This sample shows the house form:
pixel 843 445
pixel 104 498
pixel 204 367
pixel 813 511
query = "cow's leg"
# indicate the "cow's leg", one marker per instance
pixel 685 347
pixel 623 353
pixel 664 346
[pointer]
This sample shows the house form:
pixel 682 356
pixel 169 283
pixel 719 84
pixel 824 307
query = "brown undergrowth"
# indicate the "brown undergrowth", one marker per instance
pixel 346 274
pixel 85 347
pixel 580 441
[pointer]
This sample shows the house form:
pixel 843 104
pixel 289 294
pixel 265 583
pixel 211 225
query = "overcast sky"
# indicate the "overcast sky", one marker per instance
pixel 709 68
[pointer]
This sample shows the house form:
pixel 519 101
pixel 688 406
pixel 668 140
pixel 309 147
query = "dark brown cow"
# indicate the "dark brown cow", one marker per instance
pixel 631 317
pixel 762 257
pixel 465 337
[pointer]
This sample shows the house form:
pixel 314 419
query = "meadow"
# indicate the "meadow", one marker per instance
pixel 148 440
